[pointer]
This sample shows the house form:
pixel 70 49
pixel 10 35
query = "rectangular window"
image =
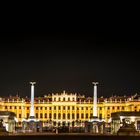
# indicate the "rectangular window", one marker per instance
pixel 59 107
pixel 10 107
pixel 19 115
pixel 15 107
pixel 36 115
pixel 100 108
pixel 36 108
pixel 41 116
pixel 73 108
pixel 27 115
pixel 19 107
pixel 82 116
pixel 40 108
pixel 86 108
pixel 73 116
pixel 82 108
pixel 63 107
pixel 45 108
pixel 68 107
pixel 54 107
pixel 45 115
pixel 86 115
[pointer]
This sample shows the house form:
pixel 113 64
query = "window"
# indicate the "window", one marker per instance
pixel 59 99
pixel 86 108
pixel 10 107
pixel 68 116
pixel 50 108
pixel 41 116
pixel 68 107
pixel 77 115
pixel 63 115
pixel 15 107
pixel 86 115
pixel 73 116
pixel 63 99
pixel 69 99
pixel 82 108
pixel 118 107
pixel 27 108
pixel 27 115
pixel 73 108
pixel 45 108
pixel 100 116
pixel 59 116
pixel 50 115
pixel 36 115
pixel 19 107
pixel 40 108
pixel 82 116
pixel 36 108
pixel 100 108
pixel 54 107
pixel 59 107
pixel 54 99
pixel 45 115
pixel 108 108
pixel 77 108
pixel 113 107
pixel 19 115
pixel 122 107
pixel 63 107
pixel 73 99
pixel 54 115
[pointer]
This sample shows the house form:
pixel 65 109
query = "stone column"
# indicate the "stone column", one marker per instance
pixel 32 113
pixel 95 100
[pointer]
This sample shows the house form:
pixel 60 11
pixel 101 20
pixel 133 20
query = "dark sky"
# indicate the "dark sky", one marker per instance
pixel 69 61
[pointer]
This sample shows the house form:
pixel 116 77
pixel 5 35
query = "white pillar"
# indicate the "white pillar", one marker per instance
pixel 95 99
pixel 32 113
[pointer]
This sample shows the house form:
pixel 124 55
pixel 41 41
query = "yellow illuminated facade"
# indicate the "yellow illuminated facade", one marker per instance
pixel 67 108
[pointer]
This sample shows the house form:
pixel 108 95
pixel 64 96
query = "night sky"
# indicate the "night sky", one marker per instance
pixel 69 61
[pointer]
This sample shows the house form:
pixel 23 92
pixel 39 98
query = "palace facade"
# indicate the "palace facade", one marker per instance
pixel 67 108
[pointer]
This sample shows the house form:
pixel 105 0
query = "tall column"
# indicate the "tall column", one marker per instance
pixel 95 100
pixel 32 113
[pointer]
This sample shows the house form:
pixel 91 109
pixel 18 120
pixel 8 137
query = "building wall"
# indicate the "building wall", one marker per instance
pixel 68 107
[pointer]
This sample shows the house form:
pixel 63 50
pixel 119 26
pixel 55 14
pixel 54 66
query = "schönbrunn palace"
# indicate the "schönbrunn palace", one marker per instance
pixel 68 108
